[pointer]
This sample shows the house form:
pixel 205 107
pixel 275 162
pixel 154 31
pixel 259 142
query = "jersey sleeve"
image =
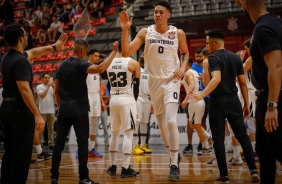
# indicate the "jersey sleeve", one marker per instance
pixel 22 70
pixel 267 39
pixel 214 63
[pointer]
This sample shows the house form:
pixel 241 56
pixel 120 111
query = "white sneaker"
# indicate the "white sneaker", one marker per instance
pixel 228 148
pixel 236 161
pixel 212 162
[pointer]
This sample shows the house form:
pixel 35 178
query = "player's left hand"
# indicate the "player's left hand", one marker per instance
pixel 60 43
pixel 271 120
pixel 195 96
pixel 178 73
pixel 246 111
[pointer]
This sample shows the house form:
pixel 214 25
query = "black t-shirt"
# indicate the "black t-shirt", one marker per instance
pixel 267 36
pixel 15 67
pixel 230 66
pixel 73 89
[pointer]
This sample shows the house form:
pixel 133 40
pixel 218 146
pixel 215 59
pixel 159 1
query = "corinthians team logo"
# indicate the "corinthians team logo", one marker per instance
pixel 171 35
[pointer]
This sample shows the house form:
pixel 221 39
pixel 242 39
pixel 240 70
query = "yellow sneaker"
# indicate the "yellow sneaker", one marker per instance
pixel 145 148
pixel 137 151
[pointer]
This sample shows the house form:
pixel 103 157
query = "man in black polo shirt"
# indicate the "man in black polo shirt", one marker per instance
pixel 225 66
pixel 19 113
pixel 266 52
pixel 72 99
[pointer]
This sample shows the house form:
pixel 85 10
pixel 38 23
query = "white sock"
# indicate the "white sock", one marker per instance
pixel 126 161
pixel 206 144
pixel 113 156
pixel 143 140
pixel 227 139
pixel 135 140
pixel 91 145
pixel 174 158
pixel 236 151
pixel 254 145
pixel 38 148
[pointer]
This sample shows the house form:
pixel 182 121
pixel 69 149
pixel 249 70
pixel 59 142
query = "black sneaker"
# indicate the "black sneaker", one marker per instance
pixel 54 181
pixel 51 147
pixel 254 176
pixel 188 149
pixel 43 156
pixel 222 179
pixel 32 160
pixel 112 170
pixel 174 173
pixel 126 173
pixel 200 149
pixel 87 181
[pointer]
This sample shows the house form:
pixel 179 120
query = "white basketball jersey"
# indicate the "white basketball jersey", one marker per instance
pixel 161 52
pixel 196 82
pixel 93 83
pixel 143 87
pixel 249 81
pixel 120 77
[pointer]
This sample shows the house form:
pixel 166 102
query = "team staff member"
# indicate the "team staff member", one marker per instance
pixel 72 100
pixel 19 113
pixel 266 52
pixel 225 66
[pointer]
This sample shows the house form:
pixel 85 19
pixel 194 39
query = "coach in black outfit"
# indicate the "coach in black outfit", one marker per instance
pixel 72 99
pixel 19 113
pixel 266 52
pixel 225 66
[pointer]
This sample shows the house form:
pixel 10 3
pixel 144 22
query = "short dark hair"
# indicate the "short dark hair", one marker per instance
pixel 81 43
pixel 247 43
pixel 46 73
pixel 216 33
pixel 164 3
pixel 92 51
pixel 198 50
pixel 205 52
pixel 119 45
pixel 12 34
pixel 190 61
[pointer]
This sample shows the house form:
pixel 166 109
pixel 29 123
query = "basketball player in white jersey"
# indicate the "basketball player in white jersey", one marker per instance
pixel 250 122
pixel 93 85
pixel 196 109
pixel 123 75
pixel 143 112
pixel 162 42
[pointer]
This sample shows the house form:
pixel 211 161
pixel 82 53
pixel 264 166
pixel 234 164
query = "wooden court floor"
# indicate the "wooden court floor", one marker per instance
pixel 154 169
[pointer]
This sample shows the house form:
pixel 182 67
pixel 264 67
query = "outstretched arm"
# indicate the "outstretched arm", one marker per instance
pixel 129 48
pixel 40 51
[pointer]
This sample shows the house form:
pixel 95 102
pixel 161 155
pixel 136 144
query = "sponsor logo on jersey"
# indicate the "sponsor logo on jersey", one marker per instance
pixel 117 67
pixel 165 42
pixel 171 35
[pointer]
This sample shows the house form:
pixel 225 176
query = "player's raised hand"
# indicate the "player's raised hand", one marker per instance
pixel 125 22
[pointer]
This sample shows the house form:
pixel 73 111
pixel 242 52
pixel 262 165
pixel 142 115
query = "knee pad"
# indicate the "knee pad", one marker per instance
pixel 250 125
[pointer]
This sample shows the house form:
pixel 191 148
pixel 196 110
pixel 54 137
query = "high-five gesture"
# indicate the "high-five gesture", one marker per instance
pixel 60 43
pixel 125 22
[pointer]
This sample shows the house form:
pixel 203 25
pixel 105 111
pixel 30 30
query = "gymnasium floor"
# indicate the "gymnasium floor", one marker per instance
pixel 154 168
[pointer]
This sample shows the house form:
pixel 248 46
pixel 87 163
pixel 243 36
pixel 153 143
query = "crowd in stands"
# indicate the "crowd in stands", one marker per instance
pixel 44 20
